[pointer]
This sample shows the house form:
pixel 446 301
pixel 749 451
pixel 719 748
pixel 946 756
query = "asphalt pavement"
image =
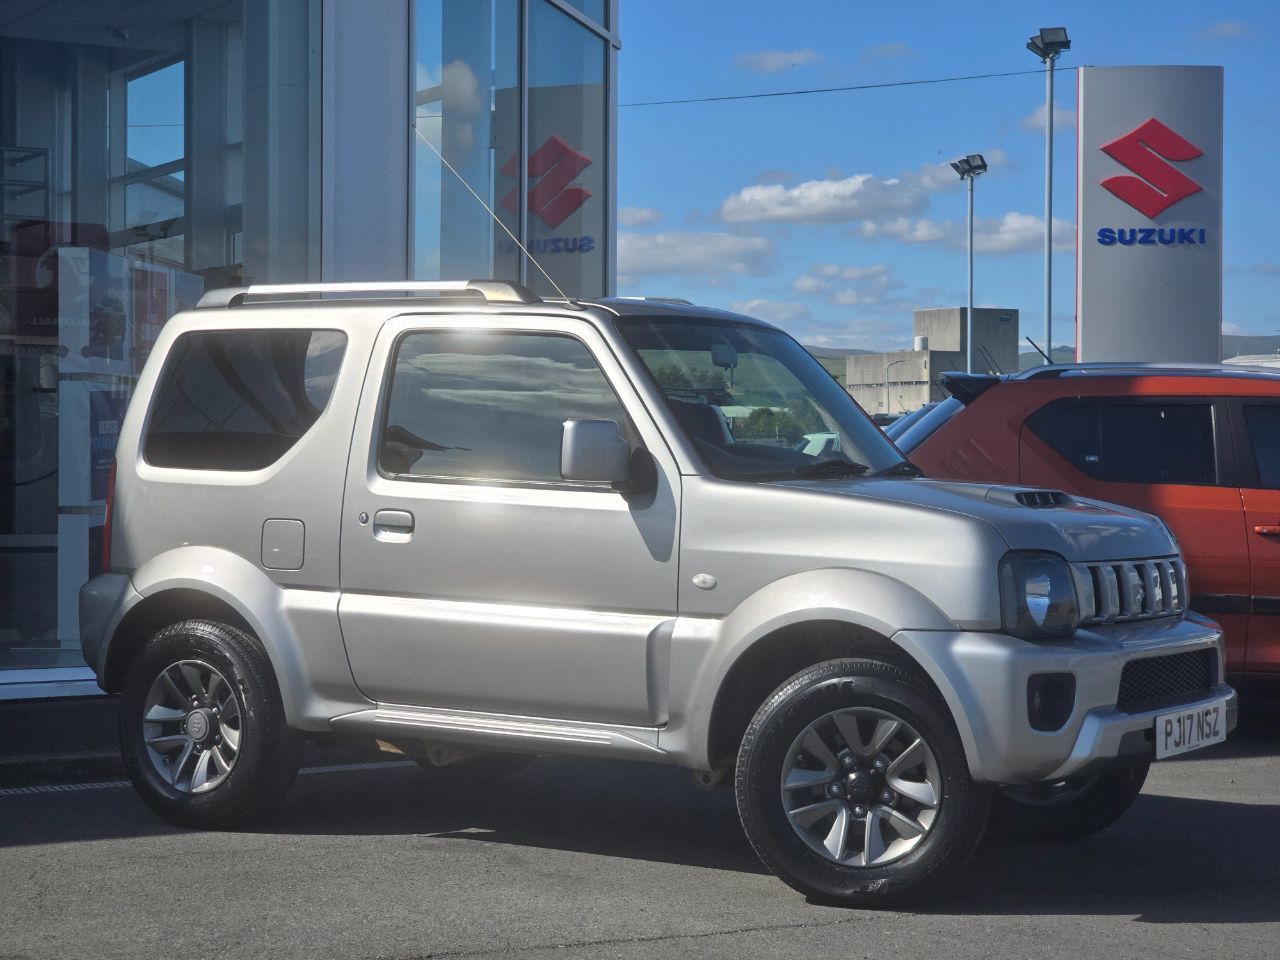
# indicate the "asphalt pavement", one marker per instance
pixel 573 859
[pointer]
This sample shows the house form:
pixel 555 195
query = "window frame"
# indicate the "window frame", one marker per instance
pixel 1220 423
pixel 628 426
pixel 170 359
pixel 1246 474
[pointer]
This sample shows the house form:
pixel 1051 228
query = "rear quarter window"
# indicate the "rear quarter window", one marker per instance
pixel 1133 441
pixel 240 399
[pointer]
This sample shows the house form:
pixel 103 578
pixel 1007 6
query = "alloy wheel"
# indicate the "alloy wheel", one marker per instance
pixel 861 787
pixel 192 726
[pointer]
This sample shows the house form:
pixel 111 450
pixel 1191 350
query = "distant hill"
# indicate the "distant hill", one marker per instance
pixel 1029 358
pixel 833 358
pixel 1234 346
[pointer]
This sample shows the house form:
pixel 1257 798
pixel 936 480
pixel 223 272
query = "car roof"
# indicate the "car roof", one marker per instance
pixel 492 296
pixel 1131 369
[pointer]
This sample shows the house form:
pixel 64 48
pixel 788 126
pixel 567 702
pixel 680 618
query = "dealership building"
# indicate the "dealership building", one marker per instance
pixel 153 149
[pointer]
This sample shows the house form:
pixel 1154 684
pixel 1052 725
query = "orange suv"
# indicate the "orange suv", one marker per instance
pixel 1199 446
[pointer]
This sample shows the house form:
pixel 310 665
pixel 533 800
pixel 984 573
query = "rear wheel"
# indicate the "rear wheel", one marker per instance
pixel 1064 811
pixel 853 787
pixel 202 727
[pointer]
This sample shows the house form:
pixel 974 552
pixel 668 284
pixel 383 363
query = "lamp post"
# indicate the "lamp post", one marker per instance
pixel 970 168
pixel 1048 45
pixel 887 400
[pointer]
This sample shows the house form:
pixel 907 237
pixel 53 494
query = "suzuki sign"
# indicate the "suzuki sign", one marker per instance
pixel 1149 214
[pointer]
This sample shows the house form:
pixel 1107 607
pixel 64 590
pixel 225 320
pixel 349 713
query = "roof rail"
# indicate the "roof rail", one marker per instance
pixel 493 291
pixel 680 300
pixel 1103 367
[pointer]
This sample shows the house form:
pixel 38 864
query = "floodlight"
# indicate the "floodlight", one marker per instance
pixel 970 166
pixel 1049 43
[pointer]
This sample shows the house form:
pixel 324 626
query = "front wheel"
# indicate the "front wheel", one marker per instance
pixel 1066 811
pixel 202 727
pixel 853 786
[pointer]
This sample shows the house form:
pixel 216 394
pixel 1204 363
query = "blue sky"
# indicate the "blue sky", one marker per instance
pixel 835 214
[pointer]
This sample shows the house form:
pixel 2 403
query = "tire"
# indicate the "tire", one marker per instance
pixel 248 753
pixel 1068 811
pixel 866 698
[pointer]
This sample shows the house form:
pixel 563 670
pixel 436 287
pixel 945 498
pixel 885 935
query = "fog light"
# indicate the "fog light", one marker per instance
pixel 1051 697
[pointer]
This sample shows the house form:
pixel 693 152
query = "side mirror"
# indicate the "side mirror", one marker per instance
pixel 594 451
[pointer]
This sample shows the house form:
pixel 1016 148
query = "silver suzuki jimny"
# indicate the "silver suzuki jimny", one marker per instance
pixel 479 526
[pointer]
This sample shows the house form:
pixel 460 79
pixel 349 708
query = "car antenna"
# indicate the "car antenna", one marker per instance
pixel 496 219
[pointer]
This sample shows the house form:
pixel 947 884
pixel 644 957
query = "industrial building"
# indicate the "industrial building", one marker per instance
pixel 902 380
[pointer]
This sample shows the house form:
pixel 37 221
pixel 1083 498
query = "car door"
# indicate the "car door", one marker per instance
pixel 1167 455
pixel 1257 432
pixel 472 576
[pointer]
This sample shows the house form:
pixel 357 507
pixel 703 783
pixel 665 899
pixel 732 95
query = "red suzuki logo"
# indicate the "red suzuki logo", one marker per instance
pixel 551 200
pixel 1147 152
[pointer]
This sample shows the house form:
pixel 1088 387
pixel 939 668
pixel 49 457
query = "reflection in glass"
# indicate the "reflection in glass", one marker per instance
pixel 466 106
pixel 567 162
pixel 489 406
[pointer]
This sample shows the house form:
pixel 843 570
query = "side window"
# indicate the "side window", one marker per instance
pixel 1158 443
pixel 489 406
pixel 1264 437
pixel 1072 432
pixel 239 399
pixel 1127 442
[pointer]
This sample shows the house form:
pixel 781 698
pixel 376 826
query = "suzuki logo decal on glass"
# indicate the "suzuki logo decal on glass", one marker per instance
pixel 1147 151
pixel 551 200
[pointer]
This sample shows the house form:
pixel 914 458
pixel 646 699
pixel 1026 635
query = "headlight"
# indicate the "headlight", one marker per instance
pixel 1037 596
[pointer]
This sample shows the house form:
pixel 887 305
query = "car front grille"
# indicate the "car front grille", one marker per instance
pixel 1155 682
pixel 1125 590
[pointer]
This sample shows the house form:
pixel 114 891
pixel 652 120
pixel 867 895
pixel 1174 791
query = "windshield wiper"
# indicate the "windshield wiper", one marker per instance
pixel 903 468
pixel 829 468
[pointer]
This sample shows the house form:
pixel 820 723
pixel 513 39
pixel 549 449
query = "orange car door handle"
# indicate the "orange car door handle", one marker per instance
pixel 1264 530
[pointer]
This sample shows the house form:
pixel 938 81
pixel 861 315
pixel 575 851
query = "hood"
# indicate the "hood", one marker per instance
pixel 1027 518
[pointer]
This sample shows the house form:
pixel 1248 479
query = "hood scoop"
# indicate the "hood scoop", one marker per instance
pixel 1039 499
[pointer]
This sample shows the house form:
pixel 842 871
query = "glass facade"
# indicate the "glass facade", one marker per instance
pixel 511 100
pixel 150 152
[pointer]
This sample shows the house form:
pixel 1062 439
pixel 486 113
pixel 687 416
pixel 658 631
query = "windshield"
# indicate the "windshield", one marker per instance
pixel 920 431
pixel 896 429
pixel 754 403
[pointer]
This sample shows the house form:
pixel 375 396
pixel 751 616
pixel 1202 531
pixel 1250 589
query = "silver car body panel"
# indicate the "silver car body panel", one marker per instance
pixel 514 598
pixel 983 677
pixel 552 617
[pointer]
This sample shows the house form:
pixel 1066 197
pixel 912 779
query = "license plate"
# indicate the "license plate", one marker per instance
pixel 1190 729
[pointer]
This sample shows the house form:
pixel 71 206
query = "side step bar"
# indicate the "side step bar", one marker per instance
pixel 503 732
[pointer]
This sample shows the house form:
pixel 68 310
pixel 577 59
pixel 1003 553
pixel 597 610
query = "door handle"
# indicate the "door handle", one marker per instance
pixel 1267 530
pixel 393 526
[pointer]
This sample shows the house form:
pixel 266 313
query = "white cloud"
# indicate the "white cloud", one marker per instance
pixel 1063 118
pixel 908 230
pixel 781 312
pixel 1233 329
pixel 837 199
pixel 863 196
pixel 1015 232
pixel 1224 30
pixel 1011 233
pixel 885 51
pixel 638 216
pixel 775 61
pixel 688 252
pixel 848 286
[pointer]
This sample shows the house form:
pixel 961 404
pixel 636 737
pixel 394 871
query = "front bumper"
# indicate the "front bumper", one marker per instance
pixel 984 679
